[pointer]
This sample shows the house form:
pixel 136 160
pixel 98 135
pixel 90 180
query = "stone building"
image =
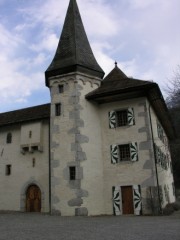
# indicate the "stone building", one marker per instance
pixel 99 147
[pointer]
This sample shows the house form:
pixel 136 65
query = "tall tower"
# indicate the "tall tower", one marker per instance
pixel 75 133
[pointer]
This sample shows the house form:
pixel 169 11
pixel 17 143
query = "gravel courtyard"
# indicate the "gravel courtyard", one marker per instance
pixel 20 226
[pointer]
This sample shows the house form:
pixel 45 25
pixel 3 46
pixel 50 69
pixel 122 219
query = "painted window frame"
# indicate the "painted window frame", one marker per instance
pixel 113 118
pixel 115 154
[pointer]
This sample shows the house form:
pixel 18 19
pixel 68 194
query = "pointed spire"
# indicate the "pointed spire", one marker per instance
pixel 73 52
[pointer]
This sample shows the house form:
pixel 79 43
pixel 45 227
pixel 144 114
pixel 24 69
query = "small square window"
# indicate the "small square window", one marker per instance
pixel 124 152
pixel 57 109
pixel 8 170
pixel 72 173
pixel 61 88
pixel 122 118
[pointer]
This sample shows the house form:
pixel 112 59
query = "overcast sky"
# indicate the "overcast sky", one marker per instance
pixel 143 36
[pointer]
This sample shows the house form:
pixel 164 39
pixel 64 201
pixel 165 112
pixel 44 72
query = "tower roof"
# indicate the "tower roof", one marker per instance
pixel 74 52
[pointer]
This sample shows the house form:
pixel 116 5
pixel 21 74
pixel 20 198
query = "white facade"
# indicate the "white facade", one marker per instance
pixel 82 137
pixel 30 167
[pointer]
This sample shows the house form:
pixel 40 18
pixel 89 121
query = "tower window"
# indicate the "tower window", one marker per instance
pixel 57 109
pixel 72 173
pixel 61 88
pixel 8 170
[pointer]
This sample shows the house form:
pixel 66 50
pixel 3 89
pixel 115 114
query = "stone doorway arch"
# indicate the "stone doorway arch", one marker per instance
pixel 23 194
pixel 33 199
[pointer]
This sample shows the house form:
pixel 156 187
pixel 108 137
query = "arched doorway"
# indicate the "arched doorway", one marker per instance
pixel 33 199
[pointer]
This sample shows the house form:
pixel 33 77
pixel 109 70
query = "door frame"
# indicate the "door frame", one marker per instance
pixel 23 195
pixel 31 202
pixel 117 199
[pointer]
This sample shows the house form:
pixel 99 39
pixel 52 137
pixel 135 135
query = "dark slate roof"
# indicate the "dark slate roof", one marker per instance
pixel 116 81
pixel 117 86
pixel 73 52
pixel 25 115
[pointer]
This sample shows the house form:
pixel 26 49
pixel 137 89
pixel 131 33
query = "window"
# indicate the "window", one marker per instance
pixel 34 148
pixel 57 109
pixel 9 138
pixel 30 134
pixel 124 152
pixel 8 170
pixel 72 173
pixel 61 88
pixel 161 157
pixel 33 162
pixel 121 118
pixel 160 132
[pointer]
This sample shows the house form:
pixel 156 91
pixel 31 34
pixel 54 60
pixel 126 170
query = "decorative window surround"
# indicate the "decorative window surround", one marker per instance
pixel 161 158
pixel 121 118
pixel 118 151
pixel 160 132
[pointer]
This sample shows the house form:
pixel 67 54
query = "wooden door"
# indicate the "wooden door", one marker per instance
pixel 33 199
pixel 127 200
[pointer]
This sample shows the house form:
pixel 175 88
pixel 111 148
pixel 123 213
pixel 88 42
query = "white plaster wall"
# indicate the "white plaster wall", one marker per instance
pixel 22 174
pixel 164 176
pixel 125 173
pixel 93 172
pixel 61 147
pixel 63 139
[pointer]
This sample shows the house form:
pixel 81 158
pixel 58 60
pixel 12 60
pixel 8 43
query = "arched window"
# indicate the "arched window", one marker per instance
pixel 9 138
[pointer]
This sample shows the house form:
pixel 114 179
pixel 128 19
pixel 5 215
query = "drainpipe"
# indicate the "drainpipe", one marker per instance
pixel 155 159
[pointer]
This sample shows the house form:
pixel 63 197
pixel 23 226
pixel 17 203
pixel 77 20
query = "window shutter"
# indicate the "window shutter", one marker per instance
pixel 130 117
pixel 134 151
pixel 137 199
pixel 116 191
pixel 114 154
pixel 112 119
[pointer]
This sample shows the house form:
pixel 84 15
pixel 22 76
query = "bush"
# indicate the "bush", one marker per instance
pixel 176 206
pixel 168 210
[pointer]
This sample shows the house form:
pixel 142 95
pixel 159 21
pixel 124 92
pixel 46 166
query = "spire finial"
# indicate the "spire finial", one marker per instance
pixel 115 64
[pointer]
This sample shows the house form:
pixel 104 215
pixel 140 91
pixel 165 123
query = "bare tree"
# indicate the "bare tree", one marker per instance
pixel 173 102
pixel 173 90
